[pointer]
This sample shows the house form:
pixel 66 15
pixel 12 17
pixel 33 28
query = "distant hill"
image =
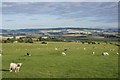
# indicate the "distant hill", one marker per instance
pixel 35 30
pixel 62 32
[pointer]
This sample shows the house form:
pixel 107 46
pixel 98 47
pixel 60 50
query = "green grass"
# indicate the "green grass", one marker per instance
pixel 45 62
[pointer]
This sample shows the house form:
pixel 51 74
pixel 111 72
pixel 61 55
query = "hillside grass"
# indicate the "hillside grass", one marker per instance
pixel 46 62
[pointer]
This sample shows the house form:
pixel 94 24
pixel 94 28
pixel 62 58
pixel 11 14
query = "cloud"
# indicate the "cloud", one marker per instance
pixel 9 20
pixel 91 0
pixel 34 19
pixel 101 11
pixel 27 0
pixel 60 0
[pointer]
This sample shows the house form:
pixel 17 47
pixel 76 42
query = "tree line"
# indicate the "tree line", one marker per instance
pixel 30 40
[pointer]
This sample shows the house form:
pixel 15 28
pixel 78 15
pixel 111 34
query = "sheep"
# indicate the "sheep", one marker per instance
pixel 63 54
pixel 93 53
pixel 110 49
pixel 65 49
pixel 104 46
pixel 113 49
pixel 117 53
pixel 105 53
pixel 15 66
pixel 70 48
pixel 84 48
pixel 0 51
pixel 56 49
pixel 28 54
pixel 0 54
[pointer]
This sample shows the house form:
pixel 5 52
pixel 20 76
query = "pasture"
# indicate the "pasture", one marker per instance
pixel 46 62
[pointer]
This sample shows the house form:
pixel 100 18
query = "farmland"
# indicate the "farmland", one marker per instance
pixel 46 62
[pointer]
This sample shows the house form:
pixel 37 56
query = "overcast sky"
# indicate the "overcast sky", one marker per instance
pixel 18 15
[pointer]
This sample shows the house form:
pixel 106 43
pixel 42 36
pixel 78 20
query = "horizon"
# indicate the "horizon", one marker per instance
pixel 22 15
pixel 59 27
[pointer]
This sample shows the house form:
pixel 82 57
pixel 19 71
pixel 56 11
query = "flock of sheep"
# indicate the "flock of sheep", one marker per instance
pixel 16 66
pixel 93 53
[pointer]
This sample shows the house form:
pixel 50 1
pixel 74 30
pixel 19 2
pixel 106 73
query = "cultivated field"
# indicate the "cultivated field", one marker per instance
pixel 46 62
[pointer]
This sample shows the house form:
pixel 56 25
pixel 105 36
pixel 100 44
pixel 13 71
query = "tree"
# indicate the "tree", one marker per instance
pixel 12 40
pixel 29 40
pixel 40 38
pixel 20 40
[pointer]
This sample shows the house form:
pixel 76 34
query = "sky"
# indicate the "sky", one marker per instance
pixel 19 15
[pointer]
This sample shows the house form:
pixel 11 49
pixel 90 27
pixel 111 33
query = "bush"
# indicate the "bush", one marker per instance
pixel 83 42
pixel 28 40
pixel 44 42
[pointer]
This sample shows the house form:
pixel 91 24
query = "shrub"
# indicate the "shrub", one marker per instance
pixel 44 42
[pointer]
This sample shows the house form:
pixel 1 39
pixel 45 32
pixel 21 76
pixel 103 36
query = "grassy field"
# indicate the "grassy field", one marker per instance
pixel 46 62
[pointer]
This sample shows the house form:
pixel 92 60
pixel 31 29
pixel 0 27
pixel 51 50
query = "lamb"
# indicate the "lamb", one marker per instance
pixel 15 66
pixel 63 54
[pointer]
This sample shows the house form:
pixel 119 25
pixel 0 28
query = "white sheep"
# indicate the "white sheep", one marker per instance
pixel 63 54
pixel 93 53
pixel 0 51
pixel 117 53
pixel 105 53
pixel 110 49
pixel 15 66
pixel 56 49
pixel 84 48
pixel 0 54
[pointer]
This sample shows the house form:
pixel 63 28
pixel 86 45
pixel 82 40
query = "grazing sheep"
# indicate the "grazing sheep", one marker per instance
pixel 104 46
pixel 63 54
pixel 56 49
pixel 110 49
pixel 105 53
pixel 117 53
pixel 15 66
pixel 0 51
pixel 84 48
pixel 93 53
pixel 93 47
pixel 113 49
pixel 0 54
pixel 28 54
pixel 65 49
